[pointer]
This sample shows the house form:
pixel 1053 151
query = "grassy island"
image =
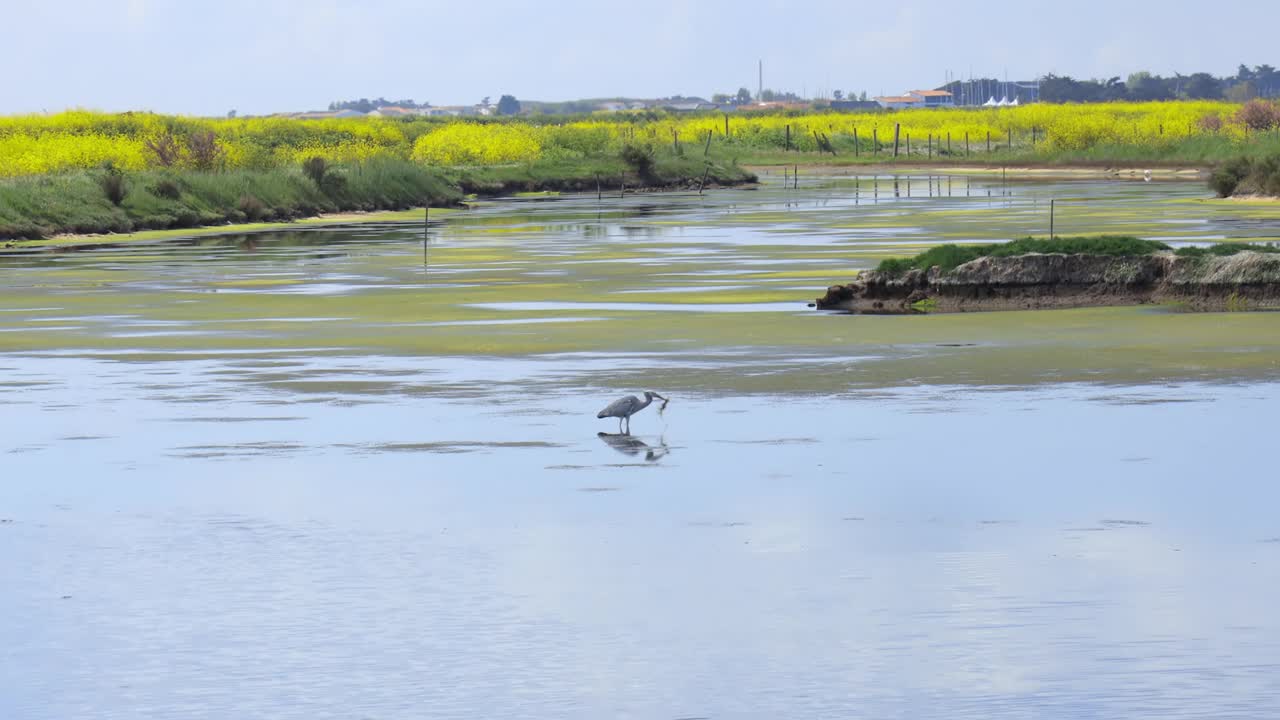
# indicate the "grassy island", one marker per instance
pixel 1067 272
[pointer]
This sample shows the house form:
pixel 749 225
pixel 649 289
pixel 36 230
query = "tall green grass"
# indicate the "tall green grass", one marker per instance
pixel 949 257
pixel 75 202
pixel 41 206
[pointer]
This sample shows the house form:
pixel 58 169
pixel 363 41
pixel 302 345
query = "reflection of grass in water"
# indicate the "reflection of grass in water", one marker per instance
pixel 1236 303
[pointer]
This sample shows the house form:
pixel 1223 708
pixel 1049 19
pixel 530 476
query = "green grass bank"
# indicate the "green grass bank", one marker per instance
pixel 107 200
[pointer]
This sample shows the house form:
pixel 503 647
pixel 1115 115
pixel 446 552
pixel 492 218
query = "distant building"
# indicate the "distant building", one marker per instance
pixel 934 98
pixel 393 111
pixel 325 115
pixel 917 99
pixel 684 104
pixel 854 105
pixel 778 105
pixel 899 102
pixel 450 111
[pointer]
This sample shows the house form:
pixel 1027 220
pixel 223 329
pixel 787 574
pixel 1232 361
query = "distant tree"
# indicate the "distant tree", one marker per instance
pixel 722 98
pixel 1143 86
pixel 1202 86
pixel 1267 79
pixel 768 95
pixel 1061 89
pixel 508 105
pixel 863 96
pixel 837 94
pixel 363 105
pixel 485 101
pixel 231 114
pixel 743 97
pixel 1113 90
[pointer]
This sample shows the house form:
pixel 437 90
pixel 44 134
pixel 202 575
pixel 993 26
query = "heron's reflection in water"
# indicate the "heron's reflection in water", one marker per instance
pixel 634 446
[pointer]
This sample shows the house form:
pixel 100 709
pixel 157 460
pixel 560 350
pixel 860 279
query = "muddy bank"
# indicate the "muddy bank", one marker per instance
pixel 1247 280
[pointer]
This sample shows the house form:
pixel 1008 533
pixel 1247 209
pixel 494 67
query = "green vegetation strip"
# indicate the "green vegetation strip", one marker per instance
pixel 949 257
pixel 111 200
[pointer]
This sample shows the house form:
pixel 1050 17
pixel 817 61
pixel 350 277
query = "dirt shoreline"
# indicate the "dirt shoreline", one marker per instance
pixel 1244 281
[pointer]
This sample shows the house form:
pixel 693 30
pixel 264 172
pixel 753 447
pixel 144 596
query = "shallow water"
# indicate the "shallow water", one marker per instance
pixel 340 474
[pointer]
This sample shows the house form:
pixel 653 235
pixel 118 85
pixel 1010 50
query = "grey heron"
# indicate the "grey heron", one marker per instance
pixel 624 408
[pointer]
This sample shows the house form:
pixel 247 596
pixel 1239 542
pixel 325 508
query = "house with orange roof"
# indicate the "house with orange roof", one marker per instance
pixel 917 99
pixel 934 98
pixel 899 102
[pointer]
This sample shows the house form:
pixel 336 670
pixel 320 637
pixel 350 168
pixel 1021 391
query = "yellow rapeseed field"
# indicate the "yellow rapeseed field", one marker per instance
pixel 40 144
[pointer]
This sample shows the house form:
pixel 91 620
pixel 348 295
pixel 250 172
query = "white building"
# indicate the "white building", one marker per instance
pixel 934 98
pixel 899 102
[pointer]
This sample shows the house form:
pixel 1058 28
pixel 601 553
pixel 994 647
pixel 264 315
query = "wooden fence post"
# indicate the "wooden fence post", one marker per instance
pixel 897 131
pixel 856 150
pixel 875 141
pixel 706 150
pixel 988 142
pixel 788 148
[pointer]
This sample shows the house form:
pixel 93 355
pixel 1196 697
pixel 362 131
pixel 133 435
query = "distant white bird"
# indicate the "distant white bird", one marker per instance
pixel 624 408
pixel 1146 176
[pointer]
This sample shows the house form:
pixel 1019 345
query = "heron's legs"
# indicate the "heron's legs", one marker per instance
pixel 619 425
pixel 628 424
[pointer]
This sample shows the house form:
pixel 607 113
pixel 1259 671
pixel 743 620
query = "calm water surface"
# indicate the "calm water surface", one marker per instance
pixel 341 474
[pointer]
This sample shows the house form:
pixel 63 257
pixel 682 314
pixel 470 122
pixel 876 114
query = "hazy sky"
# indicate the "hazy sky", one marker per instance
pixel 260 56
